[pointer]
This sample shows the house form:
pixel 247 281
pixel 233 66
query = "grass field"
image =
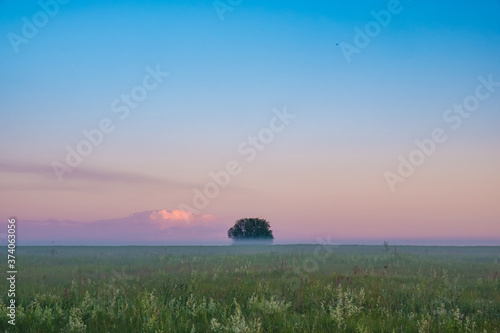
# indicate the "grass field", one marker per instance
pixel 280 288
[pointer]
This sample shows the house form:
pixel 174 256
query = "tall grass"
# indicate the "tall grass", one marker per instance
pixel 256 289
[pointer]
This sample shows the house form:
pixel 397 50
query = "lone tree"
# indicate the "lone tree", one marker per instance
pixel 251 229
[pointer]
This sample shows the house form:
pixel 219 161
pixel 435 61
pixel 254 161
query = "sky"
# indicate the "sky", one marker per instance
pixel 165 122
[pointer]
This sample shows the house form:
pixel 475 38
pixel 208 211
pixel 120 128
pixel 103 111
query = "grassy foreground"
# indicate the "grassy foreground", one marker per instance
pixel 281 288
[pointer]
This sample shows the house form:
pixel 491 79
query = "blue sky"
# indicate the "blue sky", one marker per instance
pixel 226 77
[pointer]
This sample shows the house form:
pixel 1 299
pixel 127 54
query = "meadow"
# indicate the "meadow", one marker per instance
pixel 279 288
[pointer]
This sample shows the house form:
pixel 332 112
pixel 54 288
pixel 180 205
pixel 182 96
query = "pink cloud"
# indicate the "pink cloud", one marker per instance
pixel 159 227
pixel 178 218
pixel 180 215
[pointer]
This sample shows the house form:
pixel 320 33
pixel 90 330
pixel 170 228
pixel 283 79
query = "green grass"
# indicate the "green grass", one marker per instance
pixel 281 288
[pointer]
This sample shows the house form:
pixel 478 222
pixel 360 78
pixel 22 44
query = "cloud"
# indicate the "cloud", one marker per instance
pixel 88 174
pixel 159 227
pixel 179 218
pixel 175 215
pixel 182 217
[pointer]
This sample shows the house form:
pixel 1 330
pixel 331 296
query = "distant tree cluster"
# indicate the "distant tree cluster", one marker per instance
pixel 251 229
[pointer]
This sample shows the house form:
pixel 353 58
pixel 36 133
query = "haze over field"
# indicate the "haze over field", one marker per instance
pixel 164 123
